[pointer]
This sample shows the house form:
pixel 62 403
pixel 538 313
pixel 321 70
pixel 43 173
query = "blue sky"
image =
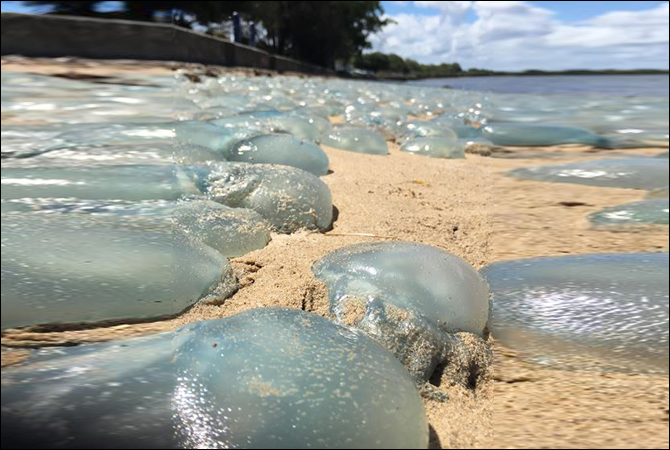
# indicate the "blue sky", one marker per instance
pixel 517 35
pixel 565 10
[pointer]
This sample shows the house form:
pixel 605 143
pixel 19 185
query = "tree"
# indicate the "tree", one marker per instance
pixel 319 32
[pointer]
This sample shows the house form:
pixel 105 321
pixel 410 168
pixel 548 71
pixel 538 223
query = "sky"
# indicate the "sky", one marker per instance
pixel 520 35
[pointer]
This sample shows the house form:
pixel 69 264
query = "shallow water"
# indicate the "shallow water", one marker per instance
pixel 623 85
pixel 607 312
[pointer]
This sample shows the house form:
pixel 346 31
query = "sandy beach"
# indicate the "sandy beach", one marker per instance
pixel 472 209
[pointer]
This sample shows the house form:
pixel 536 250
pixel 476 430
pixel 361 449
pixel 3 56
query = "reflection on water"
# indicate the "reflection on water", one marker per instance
pixel 619 85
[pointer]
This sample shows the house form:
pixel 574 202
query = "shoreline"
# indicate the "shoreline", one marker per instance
pixel 472 209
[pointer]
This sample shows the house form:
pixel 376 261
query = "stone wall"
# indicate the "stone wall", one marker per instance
pixel 57 36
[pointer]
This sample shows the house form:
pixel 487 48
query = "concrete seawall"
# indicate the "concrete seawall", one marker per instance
pixel 84 37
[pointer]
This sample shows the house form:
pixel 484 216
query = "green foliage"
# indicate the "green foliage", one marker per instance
pixel 319 32
pixel 389 65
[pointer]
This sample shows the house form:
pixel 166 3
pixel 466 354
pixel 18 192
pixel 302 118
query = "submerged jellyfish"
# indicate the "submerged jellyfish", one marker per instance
pixel 266 378
pixel 636 173
pixel 276 377
pixel 71 268
pixel 535 135
pixel 574 309
pixel 356 140
pixel 288 198
pixel 644 212
pixel 409 297
pixel 230 231
pixel 434 147
pixel 280 149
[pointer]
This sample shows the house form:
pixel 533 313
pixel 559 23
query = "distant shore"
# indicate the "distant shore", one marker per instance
pixel 389 76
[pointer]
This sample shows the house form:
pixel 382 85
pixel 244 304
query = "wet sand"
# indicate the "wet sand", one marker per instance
pixel 470 208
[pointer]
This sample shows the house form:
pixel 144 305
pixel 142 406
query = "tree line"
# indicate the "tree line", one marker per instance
pixel 393 66
pixel 319 32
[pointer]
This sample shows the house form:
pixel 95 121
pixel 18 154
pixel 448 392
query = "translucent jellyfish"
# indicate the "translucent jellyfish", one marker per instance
pixel 423 128
pixel 410 297
pixel 300 128
pixel 89 156
pixel 112 395
pixel 574 310
pixel 288 198
pixel 644 212
pixel 319 121
pixel 434 147
pixel 72 268
pixel 246 381
pixel 280 149
pixel 231 231
pixel 216 138
pixel 28 141
pixel 161 209
pixel 457 126
pixel 119 133
pixel 276 377
pixel 141 182
pixel 636 173
pixel 356 140
pixel 530 134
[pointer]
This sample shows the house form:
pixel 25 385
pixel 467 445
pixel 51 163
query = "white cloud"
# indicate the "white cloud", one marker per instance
pixel 517 35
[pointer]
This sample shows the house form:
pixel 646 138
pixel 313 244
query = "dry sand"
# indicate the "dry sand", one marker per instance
pixel 470 208
pixel 541 407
